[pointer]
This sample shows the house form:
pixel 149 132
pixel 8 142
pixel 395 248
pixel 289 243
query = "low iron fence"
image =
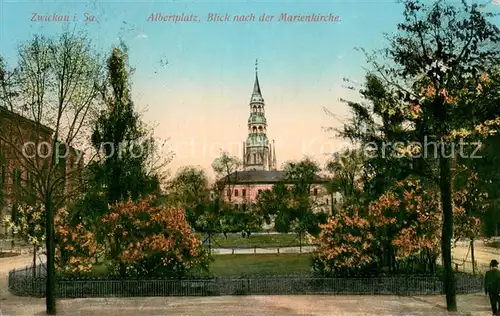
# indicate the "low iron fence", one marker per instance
pixel 24 283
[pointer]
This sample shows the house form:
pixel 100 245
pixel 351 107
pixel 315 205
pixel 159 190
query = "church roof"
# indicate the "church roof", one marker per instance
pixel 259 177
pixel 256 94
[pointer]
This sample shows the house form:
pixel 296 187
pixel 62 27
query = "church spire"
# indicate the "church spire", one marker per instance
pixel 257 152
pixel 256 94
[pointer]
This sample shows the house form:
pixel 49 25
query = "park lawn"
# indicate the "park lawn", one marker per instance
pixel 261 265
pixel 241 265
pixel 262 241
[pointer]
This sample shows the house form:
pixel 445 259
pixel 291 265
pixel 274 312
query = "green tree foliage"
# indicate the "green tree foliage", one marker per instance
pixel 290 202
pixel 189 188
pixel 347 173
pixel 436 81
pixel 125 149
pixel 123 139
pixel 54 85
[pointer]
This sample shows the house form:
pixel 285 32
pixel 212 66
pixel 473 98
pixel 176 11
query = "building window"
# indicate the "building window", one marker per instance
pixel 244 207
pixel 259 191
pixel 315 192
pixel 236 192
pixel 244 193
pixel 327 201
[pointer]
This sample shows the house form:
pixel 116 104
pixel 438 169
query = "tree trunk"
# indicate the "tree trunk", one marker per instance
pixel 300 241
pixel 51 275
pixel 210 243
pixel 332 204
pixel 34 262
pixel 472 256
pixel 447 232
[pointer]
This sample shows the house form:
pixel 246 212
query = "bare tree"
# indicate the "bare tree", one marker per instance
pixel 48 101
pixel 226 168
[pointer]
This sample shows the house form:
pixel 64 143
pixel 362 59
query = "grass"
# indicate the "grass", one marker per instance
pixel 250 265
pixel 261 265
pixel 260 241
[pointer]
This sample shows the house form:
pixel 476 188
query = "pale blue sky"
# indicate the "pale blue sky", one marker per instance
pixel 202 94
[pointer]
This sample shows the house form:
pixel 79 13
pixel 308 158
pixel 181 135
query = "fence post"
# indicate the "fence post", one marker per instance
pixel 233 251
pixel 254 249
pixel 278 250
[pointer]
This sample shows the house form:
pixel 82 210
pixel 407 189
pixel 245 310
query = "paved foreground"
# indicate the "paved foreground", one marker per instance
pixel 249 306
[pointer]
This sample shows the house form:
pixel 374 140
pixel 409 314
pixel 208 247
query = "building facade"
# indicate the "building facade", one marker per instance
pixel 21 167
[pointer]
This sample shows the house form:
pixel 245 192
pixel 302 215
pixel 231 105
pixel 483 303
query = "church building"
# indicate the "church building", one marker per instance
pixel 259 170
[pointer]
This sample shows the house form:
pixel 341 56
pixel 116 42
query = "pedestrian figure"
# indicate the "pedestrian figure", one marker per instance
pixel 492 286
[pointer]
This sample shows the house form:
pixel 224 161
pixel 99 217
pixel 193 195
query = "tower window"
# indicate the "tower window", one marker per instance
pixel 243 192
pixel 254 129
pixel 236 192
pixel 260 128
pixel 315 192
pixel 254 158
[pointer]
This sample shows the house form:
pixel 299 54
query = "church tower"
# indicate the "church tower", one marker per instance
pixel 257 151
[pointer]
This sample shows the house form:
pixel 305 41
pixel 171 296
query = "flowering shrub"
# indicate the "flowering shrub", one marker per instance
pixel 468 203
pixel 146 239
pixel 345 241
pixel 76 246
pixel 29 225
pixel 409 212
pixel 402 224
